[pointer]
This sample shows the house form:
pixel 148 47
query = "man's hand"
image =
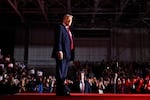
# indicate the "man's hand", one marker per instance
pixel 60 55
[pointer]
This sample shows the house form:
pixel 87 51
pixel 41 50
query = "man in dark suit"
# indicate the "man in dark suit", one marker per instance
pixel 63 52
pixel 82 85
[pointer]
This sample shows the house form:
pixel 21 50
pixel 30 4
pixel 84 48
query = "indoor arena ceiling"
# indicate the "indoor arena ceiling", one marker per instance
pixel 87 13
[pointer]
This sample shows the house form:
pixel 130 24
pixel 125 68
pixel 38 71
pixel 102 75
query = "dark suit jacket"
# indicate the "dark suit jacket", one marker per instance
pixel 62 43
pixel 87 88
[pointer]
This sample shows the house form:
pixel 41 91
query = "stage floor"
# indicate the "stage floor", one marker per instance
pixel 75 96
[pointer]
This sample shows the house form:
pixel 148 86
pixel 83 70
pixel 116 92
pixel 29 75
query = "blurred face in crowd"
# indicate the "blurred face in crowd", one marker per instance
pixel 123 81
pixel 67 20
pixel 7 59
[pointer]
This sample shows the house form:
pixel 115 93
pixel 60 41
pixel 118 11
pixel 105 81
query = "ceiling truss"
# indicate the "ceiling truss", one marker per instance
pixel 88 13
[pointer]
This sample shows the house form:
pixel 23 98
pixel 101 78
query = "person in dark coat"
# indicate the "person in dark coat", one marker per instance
pixel 82 85
pixel 63 52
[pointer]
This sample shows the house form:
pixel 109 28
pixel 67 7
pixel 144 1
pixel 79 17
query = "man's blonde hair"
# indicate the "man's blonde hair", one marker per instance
pixel 67 15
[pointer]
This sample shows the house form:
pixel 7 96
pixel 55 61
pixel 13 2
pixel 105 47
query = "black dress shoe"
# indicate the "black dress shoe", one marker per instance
pixel 67 94
pixel 63 94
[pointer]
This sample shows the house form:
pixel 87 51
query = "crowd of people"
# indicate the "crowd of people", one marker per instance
pixel 115 77
pixel 98 77
pixel 16 77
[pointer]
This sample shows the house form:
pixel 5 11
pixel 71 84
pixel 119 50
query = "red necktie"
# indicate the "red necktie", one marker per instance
pixel 70 36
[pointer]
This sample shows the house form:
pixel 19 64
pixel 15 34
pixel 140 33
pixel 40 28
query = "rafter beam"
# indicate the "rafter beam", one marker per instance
pixel 144 17
pixel 14 6
pixel 41 4
pixel 60 3
pixel 146 22
pixel 123 5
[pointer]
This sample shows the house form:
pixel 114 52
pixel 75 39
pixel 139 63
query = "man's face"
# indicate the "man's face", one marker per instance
pixel 67 20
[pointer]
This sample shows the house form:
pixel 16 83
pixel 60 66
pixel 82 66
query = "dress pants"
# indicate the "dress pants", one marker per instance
pixel 61 74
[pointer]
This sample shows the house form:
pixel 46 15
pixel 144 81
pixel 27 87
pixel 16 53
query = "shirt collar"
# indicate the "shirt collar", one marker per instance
pixel 66 26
